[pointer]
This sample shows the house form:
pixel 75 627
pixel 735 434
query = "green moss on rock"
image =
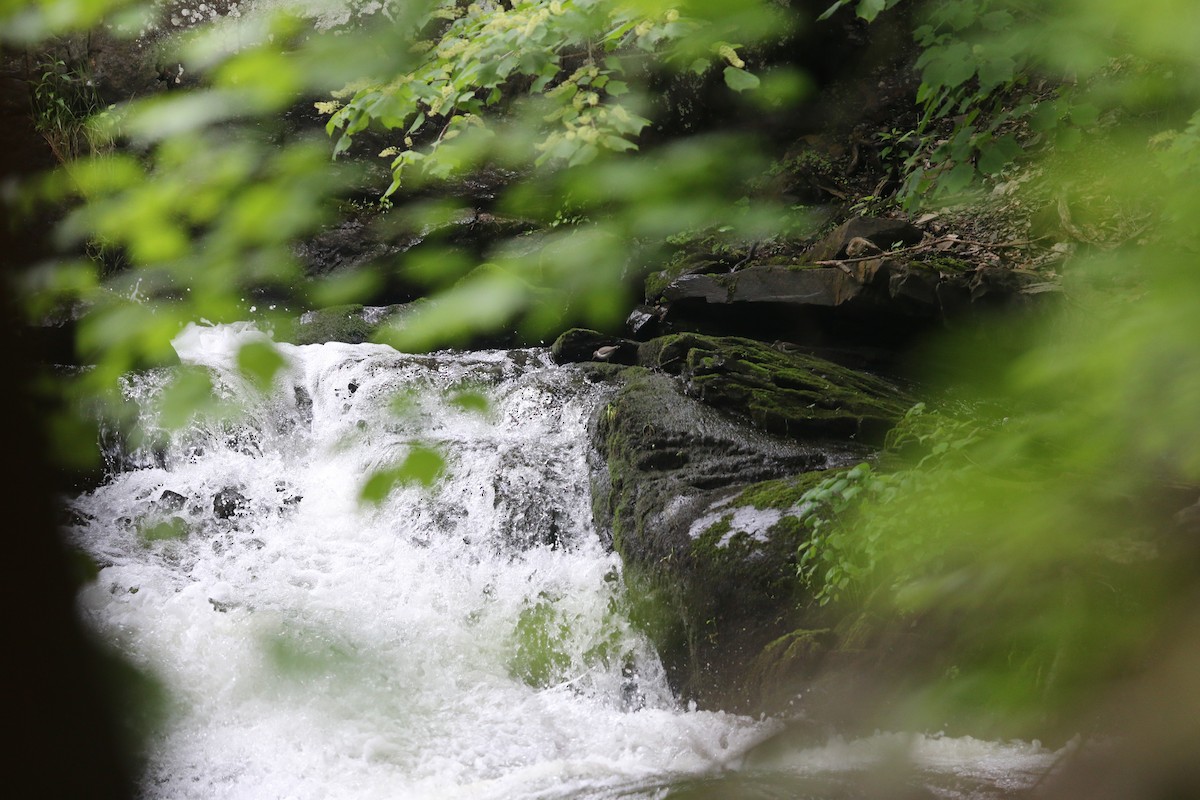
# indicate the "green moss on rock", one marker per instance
pixel 704 500
pixel 784 493
pixel 707 593
pixel 786 393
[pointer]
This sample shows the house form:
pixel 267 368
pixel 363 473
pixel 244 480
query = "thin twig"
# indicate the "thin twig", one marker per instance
pixel 842 262
pixel 925 246
pixel 1015 243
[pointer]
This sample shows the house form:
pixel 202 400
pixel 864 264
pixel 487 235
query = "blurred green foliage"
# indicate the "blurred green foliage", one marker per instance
pixel 1041 539
pixel 423 465
pixel 207 193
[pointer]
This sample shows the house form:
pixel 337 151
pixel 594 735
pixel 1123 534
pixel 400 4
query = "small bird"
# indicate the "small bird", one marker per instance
pixel 606 352
pixel 859 247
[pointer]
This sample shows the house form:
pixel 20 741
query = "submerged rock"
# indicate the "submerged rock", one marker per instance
pixel 171 500
pixel 229 503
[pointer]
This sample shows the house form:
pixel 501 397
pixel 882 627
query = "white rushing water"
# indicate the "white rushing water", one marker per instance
pixel 464 641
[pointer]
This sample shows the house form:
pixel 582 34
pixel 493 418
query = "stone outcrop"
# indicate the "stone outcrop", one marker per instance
pixel 779 389
pixel 374 241
pixel 580 344
pixel 700 505
pixel 860 286
pixel 708 605
pixel 871 302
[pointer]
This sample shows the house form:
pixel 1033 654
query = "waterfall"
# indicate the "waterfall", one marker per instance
pixel 467 639
pixel 463 640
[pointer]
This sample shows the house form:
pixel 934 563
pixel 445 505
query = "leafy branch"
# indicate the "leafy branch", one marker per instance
pixel 566 54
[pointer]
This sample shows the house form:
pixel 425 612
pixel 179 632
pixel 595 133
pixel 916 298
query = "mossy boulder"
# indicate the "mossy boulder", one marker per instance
pixel 581 344
pixel 699 504
pixel 781 391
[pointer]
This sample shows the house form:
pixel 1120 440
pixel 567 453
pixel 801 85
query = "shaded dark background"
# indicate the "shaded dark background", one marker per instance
pixel 64 739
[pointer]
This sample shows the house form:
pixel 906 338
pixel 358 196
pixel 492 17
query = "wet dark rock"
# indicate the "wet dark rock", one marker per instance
pixel 376 242
pixel 780 390
pixel 711 596
pixel 304 404
pixel 352 244
pixel 352 324
pixel 53 341
pixel 229 503
pixel 816 286
pixel 118 67
pixel 171 500
pixel 581 344
pixel 872 303
pixel 288 492
pixel 645 322
pixel 527 521
pixel 707 446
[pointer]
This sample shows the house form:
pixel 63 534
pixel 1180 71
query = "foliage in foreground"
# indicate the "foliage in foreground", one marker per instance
pixel 1040 538
pixel 1044 536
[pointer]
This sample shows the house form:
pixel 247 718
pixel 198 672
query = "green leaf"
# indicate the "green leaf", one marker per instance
pixel 996 21
pixel 583 155
pixel 1045 117
pixel 172 529
pixel 423 466
pixel 1068 139
pixel 957 179
pixel 996 72
pixel 260 362
pixel 471 401
pixel 1084 115
pixel 992 161
pixel 619 145
pixel 740 80
pixel 190 392
pixel 869 9
pixel 829 12
pixel 949 66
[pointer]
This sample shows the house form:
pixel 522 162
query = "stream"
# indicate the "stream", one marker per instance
pixel 465 640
